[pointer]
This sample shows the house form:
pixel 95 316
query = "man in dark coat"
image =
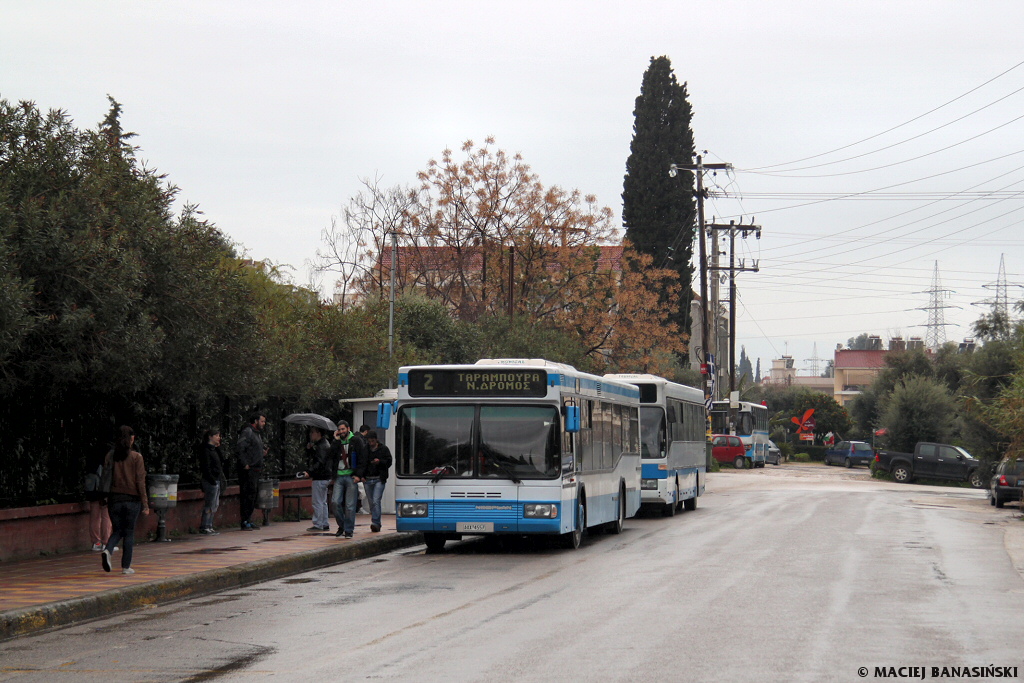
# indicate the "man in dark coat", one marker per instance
pixel 374 474
pixel 250 451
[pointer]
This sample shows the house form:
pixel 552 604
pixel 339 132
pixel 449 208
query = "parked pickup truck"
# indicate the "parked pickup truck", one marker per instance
pixel 930 461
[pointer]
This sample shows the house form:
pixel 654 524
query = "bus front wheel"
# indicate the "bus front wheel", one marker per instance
pixel 435 542
pixel 575 537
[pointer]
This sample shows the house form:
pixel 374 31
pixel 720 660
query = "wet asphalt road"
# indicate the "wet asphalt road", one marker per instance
pixel 796 573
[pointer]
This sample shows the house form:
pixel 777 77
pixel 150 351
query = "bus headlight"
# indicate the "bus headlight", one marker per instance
pixel 544 510
pixel 412 509
pixel 649 484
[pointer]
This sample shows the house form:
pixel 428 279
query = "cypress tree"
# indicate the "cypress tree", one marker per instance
pixel 659 212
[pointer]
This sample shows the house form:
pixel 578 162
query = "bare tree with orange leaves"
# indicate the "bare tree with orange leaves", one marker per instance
pixel 483 235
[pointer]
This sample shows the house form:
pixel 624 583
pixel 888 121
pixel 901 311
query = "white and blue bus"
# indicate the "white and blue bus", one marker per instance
pixel 672 443
pixel 513 446
pixel 751 425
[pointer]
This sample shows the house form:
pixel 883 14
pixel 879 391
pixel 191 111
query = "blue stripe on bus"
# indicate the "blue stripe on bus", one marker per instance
pixel 651 471
pixel 629 391
pixel 507 517
pixel 403 379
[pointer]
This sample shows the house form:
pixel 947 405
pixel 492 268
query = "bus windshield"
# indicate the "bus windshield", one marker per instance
pixel 722 424
pixel 513 442
pixel 433 437
pixel 519 440
pixel 652 432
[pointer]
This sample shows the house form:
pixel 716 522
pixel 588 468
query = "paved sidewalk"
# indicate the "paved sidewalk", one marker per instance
pixel 54 591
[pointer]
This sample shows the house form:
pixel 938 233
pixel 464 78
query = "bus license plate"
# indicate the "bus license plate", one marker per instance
pixel 474 527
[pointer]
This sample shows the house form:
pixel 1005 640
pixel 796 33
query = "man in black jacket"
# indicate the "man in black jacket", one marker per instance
pixel 374 474
pixel 250 451
pixel 212 474
pixel 321 471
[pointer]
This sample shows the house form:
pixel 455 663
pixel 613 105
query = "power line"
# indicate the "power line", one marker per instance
pixel 786 172
pixel 889 130
pixel 896 163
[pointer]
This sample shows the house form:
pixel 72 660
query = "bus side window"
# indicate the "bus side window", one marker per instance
pixel 586 436
pixel 634 430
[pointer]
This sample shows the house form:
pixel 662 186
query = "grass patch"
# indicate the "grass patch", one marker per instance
pixel 801 457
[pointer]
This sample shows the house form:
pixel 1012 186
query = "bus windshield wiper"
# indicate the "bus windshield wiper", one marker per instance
pixel 441 471
pixel 507 472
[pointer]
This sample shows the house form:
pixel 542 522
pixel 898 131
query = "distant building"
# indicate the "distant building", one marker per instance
pixel 855 370
pixel 783 373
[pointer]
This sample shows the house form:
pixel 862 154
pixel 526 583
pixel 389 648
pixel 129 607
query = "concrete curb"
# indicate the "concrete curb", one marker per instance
pixel 20 622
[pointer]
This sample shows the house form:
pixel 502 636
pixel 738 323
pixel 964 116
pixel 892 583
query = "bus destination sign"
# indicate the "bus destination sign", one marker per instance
pixel 479 383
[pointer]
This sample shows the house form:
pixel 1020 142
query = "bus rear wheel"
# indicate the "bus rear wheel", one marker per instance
pixel 616 526
pixel 690 504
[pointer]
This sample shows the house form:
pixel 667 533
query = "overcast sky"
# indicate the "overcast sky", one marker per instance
pixel 267 115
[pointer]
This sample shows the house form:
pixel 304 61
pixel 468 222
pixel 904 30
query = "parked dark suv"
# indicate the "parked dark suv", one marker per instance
pixel 1007 482
pixel 850 453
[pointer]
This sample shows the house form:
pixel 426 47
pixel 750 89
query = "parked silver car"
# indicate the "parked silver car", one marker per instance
pixel 774 454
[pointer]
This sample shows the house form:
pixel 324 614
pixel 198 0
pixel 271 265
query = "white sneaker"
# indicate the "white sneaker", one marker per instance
pixel 97 547
pixel 129 570
pixel 105 561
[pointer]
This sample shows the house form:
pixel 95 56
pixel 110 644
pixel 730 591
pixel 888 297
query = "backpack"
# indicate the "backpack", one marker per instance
pixel 93 480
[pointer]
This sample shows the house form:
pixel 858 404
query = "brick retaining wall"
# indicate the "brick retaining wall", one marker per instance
pixel 45 529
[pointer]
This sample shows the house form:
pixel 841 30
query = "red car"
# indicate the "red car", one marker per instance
pixel 729 449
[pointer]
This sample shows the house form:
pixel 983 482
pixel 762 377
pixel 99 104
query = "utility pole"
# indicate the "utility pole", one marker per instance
pixel 391 302
pixel 744 231
pixel 935 336
pixel 707 359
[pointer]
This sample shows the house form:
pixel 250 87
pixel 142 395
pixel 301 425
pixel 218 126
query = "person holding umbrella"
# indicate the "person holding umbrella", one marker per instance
pixel 321 463
pixel 321 471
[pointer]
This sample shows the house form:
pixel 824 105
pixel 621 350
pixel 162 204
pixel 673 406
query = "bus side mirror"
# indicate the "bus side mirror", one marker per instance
pixel 384 411
pixel 572 419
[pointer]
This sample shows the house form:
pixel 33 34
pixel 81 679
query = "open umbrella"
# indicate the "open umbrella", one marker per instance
pixel 311 420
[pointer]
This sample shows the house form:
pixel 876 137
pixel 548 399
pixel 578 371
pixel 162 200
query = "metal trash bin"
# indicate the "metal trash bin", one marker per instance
pixel 163 494
pixel 268 495
pixel 163 491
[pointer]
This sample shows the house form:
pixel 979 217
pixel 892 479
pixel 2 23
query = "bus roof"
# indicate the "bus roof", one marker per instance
pixel 669 388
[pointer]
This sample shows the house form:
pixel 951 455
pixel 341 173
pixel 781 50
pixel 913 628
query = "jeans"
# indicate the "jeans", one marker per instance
pixel 123 516
pixel 211 502
pixel 374 492
pixel 248 485
pixel 344 500
pixel 321 516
